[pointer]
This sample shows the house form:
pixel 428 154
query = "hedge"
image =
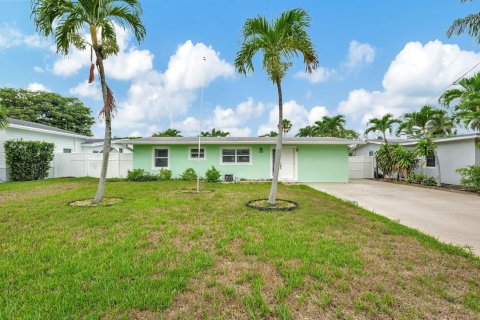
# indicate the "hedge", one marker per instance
pixel 28 160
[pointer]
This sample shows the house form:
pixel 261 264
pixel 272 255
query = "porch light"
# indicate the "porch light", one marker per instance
pixel 260 150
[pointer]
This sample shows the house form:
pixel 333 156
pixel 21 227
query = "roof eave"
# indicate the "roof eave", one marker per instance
pixel 17 126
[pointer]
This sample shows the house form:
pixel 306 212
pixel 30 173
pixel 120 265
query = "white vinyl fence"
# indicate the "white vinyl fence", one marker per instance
pixel 361 167
pixel 90 164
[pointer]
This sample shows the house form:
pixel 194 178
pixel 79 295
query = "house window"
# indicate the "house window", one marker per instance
pixel 67 150
pixel 160 158
pixel 120 150
pixel 236 156
pixel 95 151
pixel 370 153
pixel 431 160
pixel 194 154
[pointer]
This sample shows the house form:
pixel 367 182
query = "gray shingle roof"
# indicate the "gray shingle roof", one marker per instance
pixel 35 125
pixel 241 140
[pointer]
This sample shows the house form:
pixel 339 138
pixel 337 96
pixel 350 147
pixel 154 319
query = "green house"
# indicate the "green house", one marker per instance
pixel 319 159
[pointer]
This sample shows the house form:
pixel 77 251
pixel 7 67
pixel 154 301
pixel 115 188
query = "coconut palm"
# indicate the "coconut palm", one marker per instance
pixel 214 133
pixel 467 96
pixel 425 125
pixel 270 134
pixel 279 41
pixel 66 20
pixel 287 126
pixel 382 125
pixel 469 24
pixel 168 133
pixel 332 126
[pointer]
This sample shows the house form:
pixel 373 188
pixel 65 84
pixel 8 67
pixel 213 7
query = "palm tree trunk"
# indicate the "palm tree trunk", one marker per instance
pixel 108 120
pixel 437 165
pixel 278 148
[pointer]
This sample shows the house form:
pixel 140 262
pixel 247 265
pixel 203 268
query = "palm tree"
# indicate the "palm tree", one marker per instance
pixel 279 41
pixel 287 126
pixel 382 125
pixel 425 125
pixel 168 133
pixel 215 133
pixel 65 20
pixel 270 134
pixel 467 110
pixel 469 24
pixel 332 126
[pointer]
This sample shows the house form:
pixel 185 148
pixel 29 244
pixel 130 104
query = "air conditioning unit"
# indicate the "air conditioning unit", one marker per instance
pixel 228 178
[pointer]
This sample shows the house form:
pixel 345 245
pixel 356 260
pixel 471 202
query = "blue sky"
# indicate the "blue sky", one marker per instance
pixel 375 57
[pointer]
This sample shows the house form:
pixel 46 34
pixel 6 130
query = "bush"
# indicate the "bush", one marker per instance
pixel 28 160
pixel 189 174
pixel 140 175
pixel 212 175
pixel 165 174
pixel 429 181
pixel 419 178
pixel 470 177
pixel 395 159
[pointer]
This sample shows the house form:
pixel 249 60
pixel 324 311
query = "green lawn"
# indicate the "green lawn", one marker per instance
pixel 166 254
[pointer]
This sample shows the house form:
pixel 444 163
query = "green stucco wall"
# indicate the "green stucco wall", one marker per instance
pixel 316 163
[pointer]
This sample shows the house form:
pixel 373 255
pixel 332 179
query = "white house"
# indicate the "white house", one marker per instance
pixel 453 152
pixel 64 141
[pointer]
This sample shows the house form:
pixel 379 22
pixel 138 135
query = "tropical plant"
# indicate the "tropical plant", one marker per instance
pixel 28 160
pixel 395 159
pixel 165 174
pixel 287 126
pixel 168 133
pixel 188 174
pixel 467 96
pixel 381 125
pixel 470 177
pixel 426 124
pixel 279 41
pixel 47 108
pixel 328 127
pixel 469 24
pixel 212 175
pixel 3 119
pixel 270 134
pixel 214 133
pixel 66 20
pixel 140 175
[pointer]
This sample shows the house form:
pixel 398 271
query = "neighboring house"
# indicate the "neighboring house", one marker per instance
pixel 96 146
pixel 453 152
pixel 303 159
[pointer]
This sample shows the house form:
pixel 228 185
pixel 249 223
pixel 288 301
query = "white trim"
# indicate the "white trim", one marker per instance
pixel 153 157
pixel 16 126
pixel 195 159
pixel 236 163
pixel 159 141
pixel 295 163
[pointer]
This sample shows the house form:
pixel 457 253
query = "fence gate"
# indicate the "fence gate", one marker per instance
pixel 361 167
pixel 90 164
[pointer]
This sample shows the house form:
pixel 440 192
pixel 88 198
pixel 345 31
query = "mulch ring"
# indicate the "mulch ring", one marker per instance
pixel 106 202
pixel 279 205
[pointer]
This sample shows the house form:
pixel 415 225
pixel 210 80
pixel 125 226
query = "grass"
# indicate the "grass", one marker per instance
pixel 162 253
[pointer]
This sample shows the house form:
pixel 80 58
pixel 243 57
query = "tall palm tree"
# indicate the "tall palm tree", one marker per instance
pixel 168 133
pixel 332 126
pixel 287 126
pixel 382 125
pixel 469 24
pixel 425 125
pixel 66 20
pixel 467 96
pixel 279 41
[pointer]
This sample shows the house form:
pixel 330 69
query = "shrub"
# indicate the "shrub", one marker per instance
pixel 419 178
pixel 212 175
pixel 189 174
pixel 140 175
pixel 470 177
pixel 165 174
pixel 395 159
pixel 28 160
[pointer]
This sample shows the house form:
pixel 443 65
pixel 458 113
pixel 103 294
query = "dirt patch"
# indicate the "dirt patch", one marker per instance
pixel 39 191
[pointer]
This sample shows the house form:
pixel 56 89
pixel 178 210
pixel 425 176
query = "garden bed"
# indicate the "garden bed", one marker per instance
pixel 279 205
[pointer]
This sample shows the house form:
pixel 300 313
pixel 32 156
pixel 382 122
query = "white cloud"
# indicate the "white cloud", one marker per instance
pixel 298 115
pixel 38 69
pixel 321 74
pixel 359 54
pixel 418 74
pixel 87 90
pixel 156 97
pixel 12 37
pixel 35 86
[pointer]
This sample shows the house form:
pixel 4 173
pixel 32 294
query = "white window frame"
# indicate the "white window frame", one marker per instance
pixel 153 157
pixel 204 153
pixel 236 163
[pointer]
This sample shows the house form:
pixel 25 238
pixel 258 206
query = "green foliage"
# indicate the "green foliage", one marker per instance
pixel 428 121
pixel 214 133
pixel 419 178
pixel 470 177
pixel 168 133
pixel 188 174
pixel 3 118
pixel 212 175
pixel 329 127
pixel 287 125
pixel 395 159
pixel 270 134
pixel 165 174
pixel 47 108
pixel 382 125
pixel 140 175
pixel 28 160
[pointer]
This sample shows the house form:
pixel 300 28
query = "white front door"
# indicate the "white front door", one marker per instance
pixel 287 164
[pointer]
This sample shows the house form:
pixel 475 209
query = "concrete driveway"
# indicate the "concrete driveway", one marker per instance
pixel 452 217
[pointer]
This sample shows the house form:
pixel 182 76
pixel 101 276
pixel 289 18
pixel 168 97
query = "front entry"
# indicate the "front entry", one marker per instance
pixel 287 164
